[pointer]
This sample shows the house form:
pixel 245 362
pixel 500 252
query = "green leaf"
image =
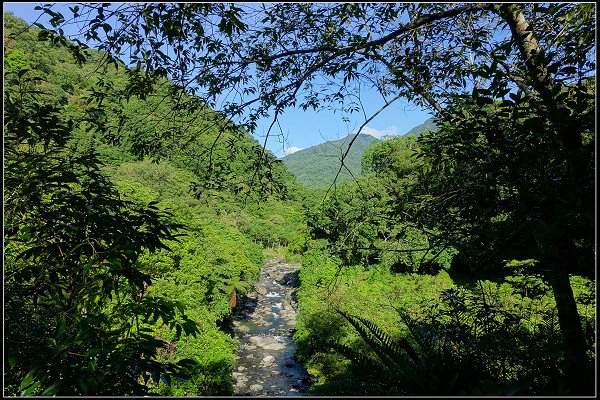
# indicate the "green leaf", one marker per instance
pixel 31 389
pixel 12 360
pixel 521 263
pixel 52 390
pixel 60 327
pixel 25 233
pixel 28 380
pixel 81 385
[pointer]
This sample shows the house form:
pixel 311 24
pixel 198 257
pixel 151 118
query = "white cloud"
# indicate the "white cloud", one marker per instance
pixel 291 150
pixel 391 131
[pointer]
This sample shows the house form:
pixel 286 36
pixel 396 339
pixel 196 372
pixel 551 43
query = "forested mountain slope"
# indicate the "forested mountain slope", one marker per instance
pixel 428 125
pixel 317 166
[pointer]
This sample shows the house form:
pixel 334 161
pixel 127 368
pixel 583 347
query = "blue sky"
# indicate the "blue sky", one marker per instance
pixel 301 129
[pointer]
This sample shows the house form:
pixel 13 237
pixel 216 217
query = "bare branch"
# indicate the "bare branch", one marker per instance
pixel 386 105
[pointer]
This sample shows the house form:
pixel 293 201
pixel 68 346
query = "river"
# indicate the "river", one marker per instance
pixel 264 325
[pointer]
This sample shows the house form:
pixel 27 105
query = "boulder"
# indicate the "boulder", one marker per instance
pixel 274 346
pixel 257 341
pixel 268 361
pixel 256 388
pixel 260 290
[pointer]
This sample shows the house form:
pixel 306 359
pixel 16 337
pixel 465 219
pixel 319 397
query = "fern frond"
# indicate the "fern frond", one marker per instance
pixel 374 369
pixel 371 340
pixel 368 363
pixel 391 353
pixel 395 345
pixel 424 341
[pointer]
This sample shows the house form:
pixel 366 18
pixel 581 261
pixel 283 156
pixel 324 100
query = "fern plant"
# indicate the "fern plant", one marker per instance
pixel 466 344
pixel 419 363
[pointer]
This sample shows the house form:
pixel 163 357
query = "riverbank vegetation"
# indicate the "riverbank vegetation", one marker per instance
pixel 139 272
pixel 137 214
pixel 400 322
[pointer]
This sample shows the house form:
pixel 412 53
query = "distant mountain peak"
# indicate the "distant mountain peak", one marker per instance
pixel 428 125
pixel 318 165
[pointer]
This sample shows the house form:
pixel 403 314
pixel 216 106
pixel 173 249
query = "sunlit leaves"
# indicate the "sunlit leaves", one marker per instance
pixel 72 252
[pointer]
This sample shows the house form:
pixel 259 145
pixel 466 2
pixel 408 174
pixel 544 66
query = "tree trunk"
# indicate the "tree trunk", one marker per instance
pixel 559 252
pixel 530 50
pixel 569 128
pixel 576 365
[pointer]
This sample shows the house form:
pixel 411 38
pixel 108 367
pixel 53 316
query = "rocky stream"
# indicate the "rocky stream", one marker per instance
pixel 264 325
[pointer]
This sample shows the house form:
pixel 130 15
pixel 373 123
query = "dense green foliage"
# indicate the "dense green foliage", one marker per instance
pixel 321 165
pixel 73 246
pixel 460 262
pixel 422 323
pixel 120 274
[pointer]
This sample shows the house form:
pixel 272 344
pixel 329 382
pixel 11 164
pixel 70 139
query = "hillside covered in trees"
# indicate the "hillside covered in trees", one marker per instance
pixel 143 248
pixel 139 210
pixel 428 125
pixel 321 165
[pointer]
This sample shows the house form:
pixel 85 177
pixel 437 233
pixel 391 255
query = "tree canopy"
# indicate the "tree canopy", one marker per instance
pixel 272 56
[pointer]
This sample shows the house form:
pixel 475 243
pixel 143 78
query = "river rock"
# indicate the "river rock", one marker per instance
pixel 274 346
pixel 261 290
pixel 268 361
pixel 239 378
pixel 256 388
pixel 258 341
pixel 265 342
pixel 254 339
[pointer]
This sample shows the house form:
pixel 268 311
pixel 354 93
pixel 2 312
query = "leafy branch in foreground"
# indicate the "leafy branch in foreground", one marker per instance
pixel 77 308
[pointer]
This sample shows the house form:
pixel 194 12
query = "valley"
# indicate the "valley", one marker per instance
pixel 154 246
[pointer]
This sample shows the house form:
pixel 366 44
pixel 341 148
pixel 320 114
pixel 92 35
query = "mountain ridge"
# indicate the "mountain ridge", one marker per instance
pixel 318 165
pixel 428 125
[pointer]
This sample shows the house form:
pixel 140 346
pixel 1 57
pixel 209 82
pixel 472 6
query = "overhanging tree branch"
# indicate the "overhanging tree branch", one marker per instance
pixel 418 23
pixel 386 105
